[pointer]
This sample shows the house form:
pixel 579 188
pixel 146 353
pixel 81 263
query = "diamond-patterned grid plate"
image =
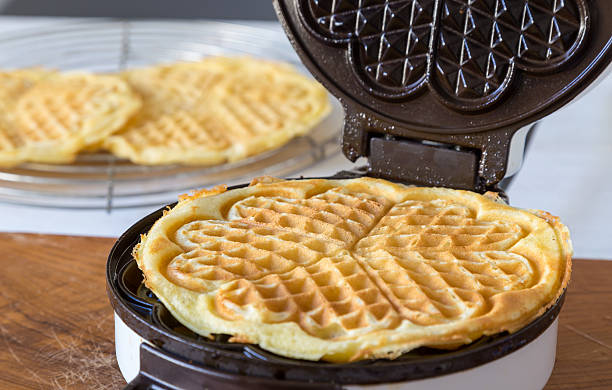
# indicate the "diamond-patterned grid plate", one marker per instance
pixel 470 62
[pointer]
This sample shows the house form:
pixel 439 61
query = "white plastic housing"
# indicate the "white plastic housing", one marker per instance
pixel 527 368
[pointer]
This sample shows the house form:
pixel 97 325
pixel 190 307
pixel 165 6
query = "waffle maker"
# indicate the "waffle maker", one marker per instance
pixel 437 93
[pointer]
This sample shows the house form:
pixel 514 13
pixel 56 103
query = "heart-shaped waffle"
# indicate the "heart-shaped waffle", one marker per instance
pixel 342 270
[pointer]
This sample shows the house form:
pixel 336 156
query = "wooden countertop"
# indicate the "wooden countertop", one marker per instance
pixel 56 324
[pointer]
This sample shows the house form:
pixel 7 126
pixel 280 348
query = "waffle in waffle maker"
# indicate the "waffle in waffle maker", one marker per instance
pixel 436 93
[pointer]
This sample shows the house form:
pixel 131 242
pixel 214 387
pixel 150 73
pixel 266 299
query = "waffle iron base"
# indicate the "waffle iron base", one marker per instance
pixel 155 351
pixel 527 368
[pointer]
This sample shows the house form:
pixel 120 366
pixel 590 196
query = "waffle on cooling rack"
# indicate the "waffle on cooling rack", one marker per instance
pixel 49 117
pixel 343 270
pixel 217 110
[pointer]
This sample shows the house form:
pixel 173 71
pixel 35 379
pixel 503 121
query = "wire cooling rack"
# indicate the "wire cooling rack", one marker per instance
pixel 102 181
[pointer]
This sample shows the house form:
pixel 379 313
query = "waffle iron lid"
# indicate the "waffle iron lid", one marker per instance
pixel 434 90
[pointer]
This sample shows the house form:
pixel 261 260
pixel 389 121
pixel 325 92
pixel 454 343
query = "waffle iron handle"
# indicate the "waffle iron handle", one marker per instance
pixel 159 368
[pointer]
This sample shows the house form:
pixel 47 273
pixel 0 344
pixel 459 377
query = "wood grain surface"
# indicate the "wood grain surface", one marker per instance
pixel 56 324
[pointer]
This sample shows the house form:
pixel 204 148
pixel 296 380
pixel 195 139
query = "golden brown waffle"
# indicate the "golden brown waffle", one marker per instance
pixel 51 118
pixel 353 269
pixel 217 110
